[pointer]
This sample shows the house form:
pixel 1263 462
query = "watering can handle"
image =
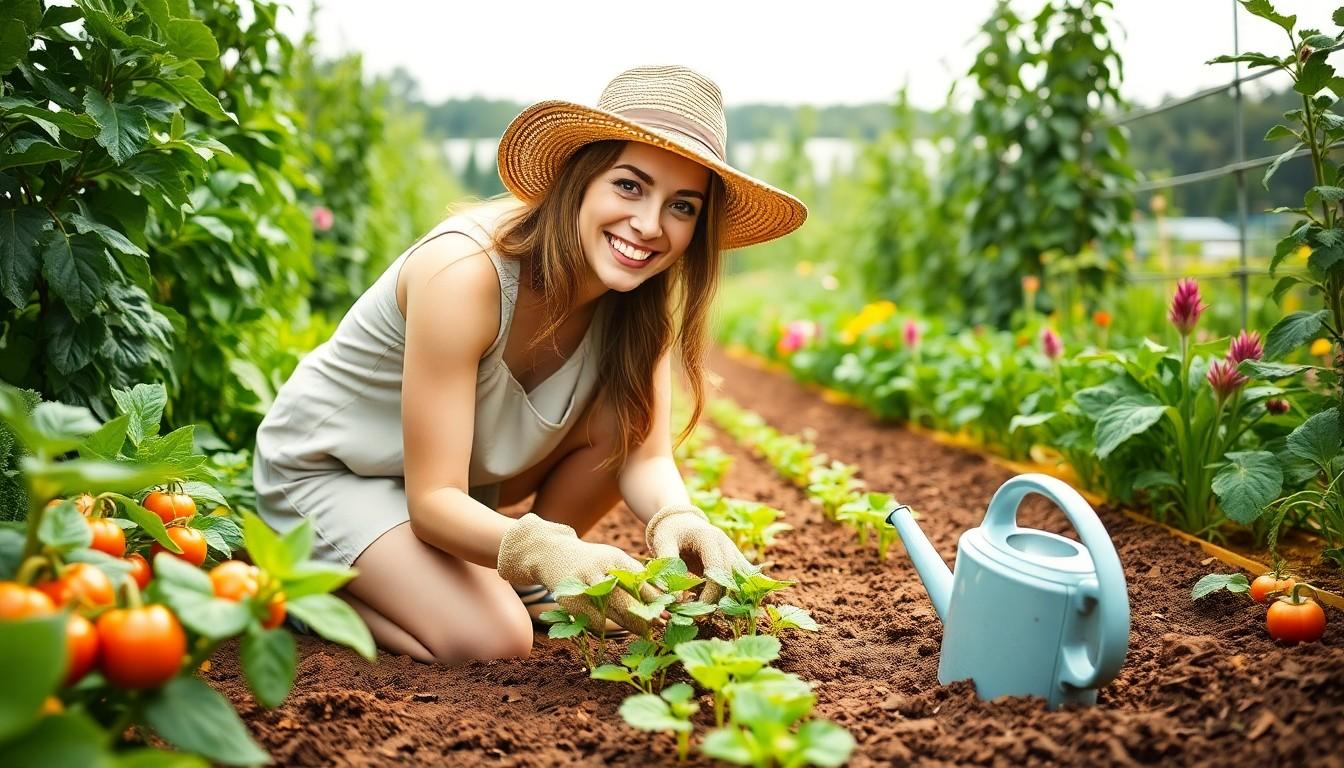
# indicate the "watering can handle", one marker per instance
pixel 1107 592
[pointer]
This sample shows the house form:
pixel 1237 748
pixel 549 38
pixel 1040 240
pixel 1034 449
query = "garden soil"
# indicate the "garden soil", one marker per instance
pixel 1202 684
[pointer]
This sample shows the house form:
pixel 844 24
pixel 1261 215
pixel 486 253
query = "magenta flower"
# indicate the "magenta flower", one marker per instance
pixel 1245 347
pixel 323 218
pixel 1224 378
pixel 1185 306
pixel 910 334
pixel 796 334
pixel 1051 344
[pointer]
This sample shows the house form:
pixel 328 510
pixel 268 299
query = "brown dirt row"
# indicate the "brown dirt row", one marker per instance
pixel 1202 683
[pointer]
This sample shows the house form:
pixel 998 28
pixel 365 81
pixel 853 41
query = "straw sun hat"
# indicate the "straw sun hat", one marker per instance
pixel 675 108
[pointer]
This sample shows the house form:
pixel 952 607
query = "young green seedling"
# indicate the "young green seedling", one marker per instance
pixel 871 512
pixel 747 589
pixel 715 663
pixel 789 617
pixel 831 486
pixel 670 710
pixel 707 468
pixel 641 666
pixel 764 709
pixel 565 625
pixel 599 595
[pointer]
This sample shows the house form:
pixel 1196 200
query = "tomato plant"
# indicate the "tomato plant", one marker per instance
pixel 80 583
pixel 1264 584
pixel 107 536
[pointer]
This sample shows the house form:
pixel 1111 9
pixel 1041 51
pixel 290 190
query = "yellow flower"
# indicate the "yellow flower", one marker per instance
pixel 1302 253
pixel 847 336
pixel 1321 347
pixel 803 268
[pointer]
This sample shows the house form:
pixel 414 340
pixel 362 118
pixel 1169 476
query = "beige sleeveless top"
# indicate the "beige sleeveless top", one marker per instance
pixel 341 409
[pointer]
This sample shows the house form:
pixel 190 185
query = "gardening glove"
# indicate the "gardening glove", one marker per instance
pixel 537 551
pixel 679 528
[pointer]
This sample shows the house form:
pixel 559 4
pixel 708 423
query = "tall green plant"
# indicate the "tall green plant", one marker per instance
pixel 1041 173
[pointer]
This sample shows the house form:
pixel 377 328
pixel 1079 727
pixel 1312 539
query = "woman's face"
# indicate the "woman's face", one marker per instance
pixel 637 217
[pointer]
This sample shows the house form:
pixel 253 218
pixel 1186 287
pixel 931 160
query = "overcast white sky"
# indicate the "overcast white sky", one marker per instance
pixel 780 51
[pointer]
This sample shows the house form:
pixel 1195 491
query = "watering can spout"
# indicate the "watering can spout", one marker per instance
pixel 935 574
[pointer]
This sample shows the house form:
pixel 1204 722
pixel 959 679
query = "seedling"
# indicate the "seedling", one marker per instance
pixel 747 588
pixel 792 457
pixel 641 666
pixel 599 594
pixel 789 617
pixel 764 709
pixel 715 663
pixel 868 514
pixel 670 710
pixel 832 486
pixel 707 468
pixel 566 625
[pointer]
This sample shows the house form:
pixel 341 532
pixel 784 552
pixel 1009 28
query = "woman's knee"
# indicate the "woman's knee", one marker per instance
pixel 495 632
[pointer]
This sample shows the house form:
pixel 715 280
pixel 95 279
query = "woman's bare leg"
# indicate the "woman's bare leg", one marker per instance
pixel 423 602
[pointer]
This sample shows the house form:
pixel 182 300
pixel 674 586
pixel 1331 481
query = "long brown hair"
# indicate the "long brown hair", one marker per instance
pixel 640 325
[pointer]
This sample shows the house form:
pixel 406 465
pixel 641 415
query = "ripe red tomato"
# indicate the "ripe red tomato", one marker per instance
pixel 21 602
pixel 82 584
pixel 1295 622
pixel 140 647
pixel 170 506
pixel 140 570
pixel 275 611
pixel 107 536
pixel 81 647
pixel 190 540
pixel 234 580
pixel 1266 583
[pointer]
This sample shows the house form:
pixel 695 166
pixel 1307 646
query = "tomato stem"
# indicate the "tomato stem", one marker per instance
pixel 132 590
pixel 30 568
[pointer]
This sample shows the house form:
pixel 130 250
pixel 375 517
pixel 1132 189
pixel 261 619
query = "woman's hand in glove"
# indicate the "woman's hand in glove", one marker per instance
pixel 678 529
pixel 537 551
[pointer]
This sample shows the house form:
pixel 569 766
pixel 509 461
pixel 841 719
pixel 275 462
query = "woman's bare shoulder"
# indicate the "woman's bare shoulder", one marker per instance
pixel 452 282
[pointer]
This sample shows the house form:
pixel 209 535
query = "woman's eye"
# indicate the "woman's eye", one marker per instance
pixel 687 208
pixel 634 187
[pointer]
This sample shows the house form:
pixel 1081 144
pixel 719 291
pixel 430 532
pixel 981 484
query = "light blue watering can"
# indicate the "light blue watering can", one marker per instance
pixel 1027 612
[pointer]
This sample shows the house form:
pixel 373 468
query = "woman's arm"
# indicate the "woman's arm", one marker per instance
pixel 452 317
pixel 650 480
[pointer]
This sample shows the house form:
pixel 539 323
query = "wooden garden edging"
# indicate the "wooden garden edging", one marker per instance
pixel 1253 566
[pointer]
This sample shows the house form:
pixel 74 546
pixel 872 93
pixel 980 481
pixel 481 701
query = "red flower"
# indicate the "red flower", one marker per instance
pixel 1185 306
pixel 1224 378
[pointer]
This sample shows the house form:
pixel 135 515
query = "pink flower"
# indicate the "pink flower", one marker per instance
pixel 1224 378
pixel 910 334
pixel 1051 344
pixel 323 218
pixel 1185 306
pixel 796 335
pixel 1245 347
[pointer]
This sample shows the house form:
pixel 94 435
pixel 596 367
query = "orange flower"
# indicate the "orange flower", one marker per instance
pixel 1031 283
pixel 1102 318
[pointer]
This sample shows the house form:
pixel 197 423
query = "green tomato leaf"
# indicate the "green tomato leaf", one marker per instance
pixel 32 663
pixel 314 577
pixel 148 521
pixel 194 717
pixel 106 442
pixel 191 39
pixel 1232 582
pixel 1249 482
pixel 63 528
pixel 124 129
pixel 334 619
pixel 224 536
pixel 269 661
pixel 144 403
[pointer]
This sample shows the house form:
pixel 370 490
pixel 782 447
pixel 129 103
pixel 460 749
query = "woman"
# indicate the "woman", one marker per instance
pixel 524 347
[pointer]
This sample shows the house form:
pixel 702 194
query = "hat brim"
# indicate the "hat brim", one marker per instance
pixel 538 141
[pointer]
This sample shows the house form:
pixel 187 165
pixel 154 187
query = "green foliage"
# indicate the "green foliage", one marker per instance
pixel 1043 178
pixel 670 710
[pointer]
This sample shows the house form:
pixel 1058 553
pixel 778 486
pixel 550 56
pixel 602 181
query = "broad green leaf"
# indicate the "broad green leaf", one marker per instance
pixel 144 403
pixel 156 10
pixel 334 619
pixel 759 647
pixel 76 268
pixel 123 129
pixel 297 543
pixel 181 574
pixel 63 477
pixel 731 744
pixel 315 578
pixel 824 743
pixel 568 630
pixel 106 442
pixel 27 13
pixel 174 449
pixel 1233 582
pixel 1265 10
pixel 1315 76
pixel 612 673
pixel 1317 439
pixel 570 586
pixel 269 661
pixel 54 123
pixel 56 427
pixel 791 616
pixel 32 662
pixel 207 493
pixel 265 547
pixel 194 717
pixel 69 738
pixel 111 237
pixel 648 712
pixel 1125 418
pixel 553 616
pixel 221 533
pixel 1260 369
pixel 1250 481
pixel 195 94
pixel 33 151
pixel 191 39
pixel 21 233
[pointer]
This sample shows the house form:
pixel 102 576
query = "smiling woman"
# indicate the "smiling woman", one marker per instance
pixel 523 347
